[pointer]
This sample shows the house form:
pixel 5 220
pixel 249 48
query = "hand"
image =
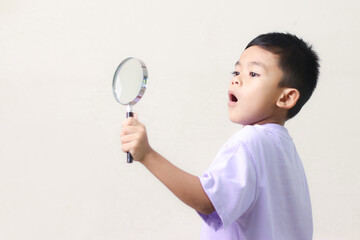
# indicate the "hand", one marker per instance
pixel 134 138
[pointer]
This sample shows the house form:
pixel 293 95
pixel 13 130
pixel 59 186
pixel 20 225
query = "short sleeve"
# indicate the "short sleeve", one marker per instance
pixel 230 184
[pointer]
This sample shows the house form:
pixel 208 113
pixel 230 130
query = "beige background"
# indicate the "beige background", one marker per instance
pixel 62 172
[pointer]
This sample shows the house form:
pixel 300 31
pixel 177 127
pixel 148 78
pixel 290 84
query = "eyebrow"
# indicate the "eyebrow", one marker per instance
pixel 253 63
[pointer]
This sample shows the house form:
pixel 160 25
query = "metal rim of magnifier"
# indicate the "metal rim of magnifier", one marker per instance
pixel 143 83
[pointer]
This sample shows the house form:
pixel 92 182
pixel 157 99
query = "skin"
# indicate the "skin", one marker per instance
pixel 255 84
pixel 259 100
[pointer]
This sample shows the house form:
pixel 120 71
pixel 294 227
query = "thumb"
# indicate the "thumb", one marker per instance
pixel 136 116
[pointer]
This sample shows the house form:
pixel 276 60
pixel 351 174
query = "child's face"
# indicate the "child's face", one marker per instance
pixel 254 89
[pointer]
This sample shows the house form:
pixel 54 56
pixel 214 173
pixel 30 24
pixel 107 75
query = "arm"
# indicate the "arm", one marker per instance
pixel 185 186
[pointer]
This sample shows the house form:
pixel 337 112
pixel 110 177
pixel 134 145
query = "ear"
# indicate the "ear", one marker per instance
pixel 288 98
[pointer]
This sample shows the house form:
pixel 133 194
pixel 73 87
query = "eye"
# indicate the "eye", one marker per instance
pixel 235 73
pixel 252 74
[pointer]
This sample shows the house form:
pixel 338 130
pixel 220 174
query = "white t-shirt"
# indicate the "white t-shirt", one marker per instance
pixel 258 188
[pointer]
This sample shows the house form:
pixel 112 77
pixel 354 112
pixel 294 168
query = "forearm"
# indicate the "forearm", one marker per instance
pixel 185 186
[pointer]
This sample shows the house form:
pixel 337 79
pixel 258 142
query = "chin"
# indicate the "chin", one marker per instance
pixel 241 121
pixel 237 120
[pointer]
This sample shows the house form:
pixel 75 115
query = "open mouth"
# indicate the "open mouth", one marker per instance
pixel 232 97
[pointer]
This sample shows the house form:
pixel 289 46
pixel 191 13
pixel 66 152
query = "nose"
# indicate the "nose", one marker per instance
pixel 235 81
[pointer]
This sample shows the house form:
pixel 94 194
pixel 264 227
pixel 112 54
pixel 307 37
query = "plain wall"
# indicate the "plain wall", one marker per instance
pixel 62 172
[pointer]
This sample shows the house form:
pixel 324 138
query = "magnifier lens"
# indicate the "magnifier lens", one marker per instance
pixel 128 81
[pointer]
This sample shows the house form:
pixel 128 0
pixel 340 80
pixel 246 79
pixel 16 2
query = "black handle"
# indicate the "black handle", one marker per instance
pixel 129 157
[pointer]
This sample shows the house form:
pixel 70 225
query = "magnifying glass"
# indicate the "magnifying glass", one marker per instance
pixel 129 85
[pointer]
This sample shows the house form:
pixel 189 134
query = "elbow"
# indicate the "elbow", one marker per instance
pixel 204 205
pixel 206 209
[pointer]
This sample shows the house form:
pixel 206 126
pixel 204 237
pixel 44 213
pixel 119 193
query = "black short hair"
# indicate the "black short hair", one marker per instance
pixel 298 61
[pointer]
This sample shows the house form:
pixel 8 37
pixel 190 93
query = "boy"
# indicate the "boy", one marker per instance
pixel 256 187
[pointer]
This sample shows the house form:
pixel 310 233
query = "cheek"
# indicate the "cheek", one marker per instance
pixel 259 106
pixel 266 97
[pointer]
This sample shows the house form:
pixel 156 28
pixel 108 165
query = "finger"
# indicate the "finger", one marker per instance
pixel 128 130
pixel 126 122
pixel 134 115
pixel 130 122
pixel 126 139
pixel 126 147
